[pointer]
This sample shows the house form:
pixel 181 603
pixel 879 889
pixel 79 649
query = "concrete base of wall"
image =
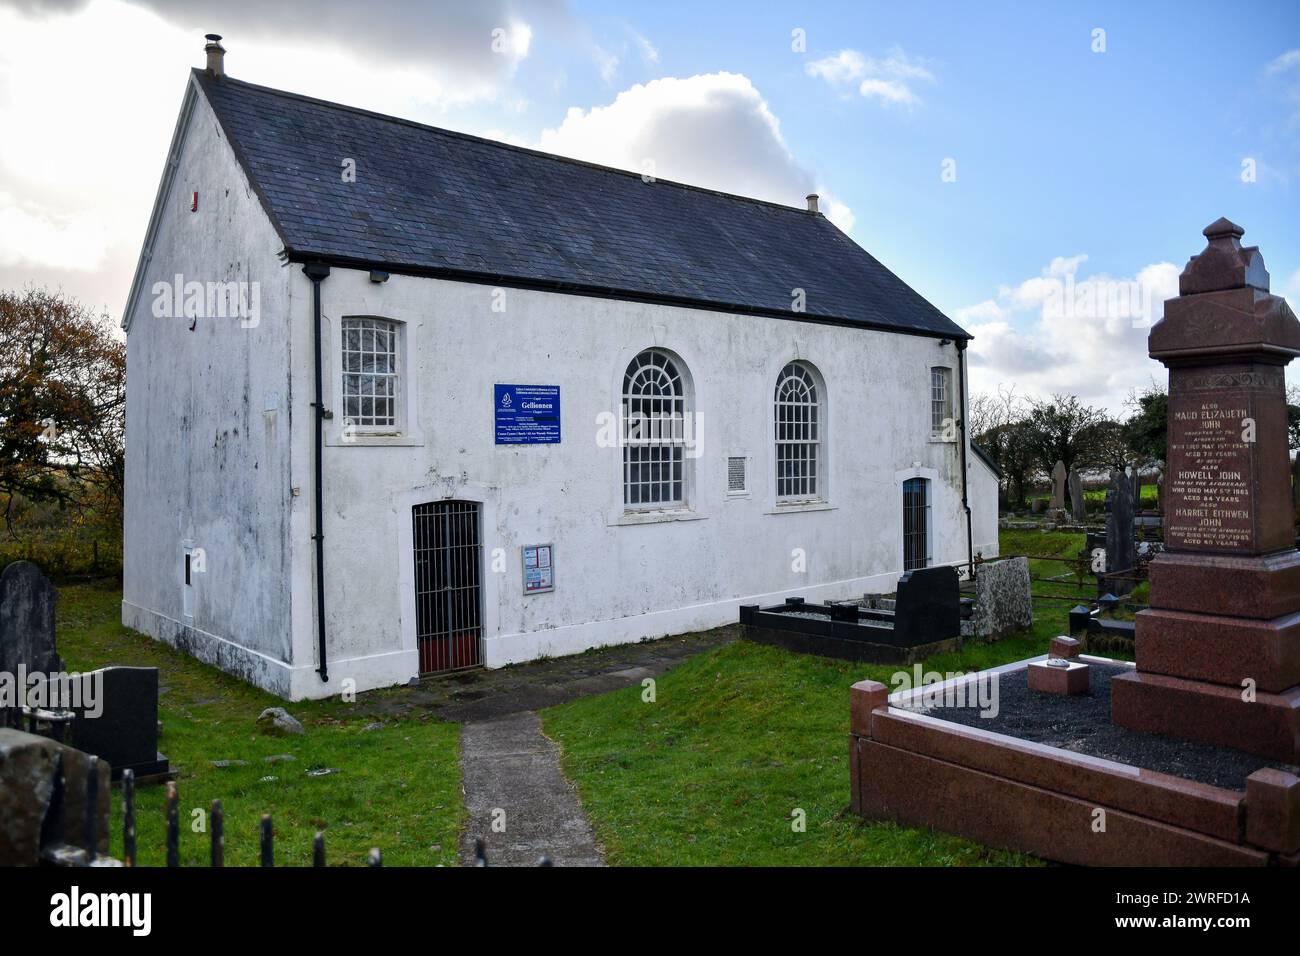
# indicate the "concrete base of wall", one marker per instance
pixel 300 682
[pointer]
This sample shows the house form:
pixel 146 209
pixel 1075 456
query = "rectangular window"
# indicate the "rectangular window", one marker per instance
pixel 369 373
pixel 735 475
pixel 941 402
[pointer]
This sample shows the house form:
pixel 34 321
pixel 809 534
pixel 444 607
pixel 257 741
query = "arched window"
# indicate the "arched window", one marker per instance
pixel 654 432
pixel 798 419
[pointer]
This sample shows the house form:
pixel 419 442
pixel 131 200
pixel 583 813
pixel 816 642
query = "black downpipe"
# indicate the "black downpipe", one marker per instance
pixel 965 441
pixel 317 272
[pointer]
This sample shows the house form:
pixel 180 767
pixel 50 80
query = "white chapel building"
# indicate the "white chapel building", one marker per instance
pixel 403 400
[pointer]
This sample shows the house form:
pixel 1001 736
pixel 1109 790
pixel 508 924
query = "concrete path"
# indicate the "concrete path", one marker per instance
pixel 511 774
pixel 479 695
pixel 507 763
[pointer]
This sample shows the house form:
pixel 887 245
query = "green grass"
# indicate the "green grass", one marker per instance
pixel 399 788
pixel 711 772
pixel 1095 498
pixel 737 738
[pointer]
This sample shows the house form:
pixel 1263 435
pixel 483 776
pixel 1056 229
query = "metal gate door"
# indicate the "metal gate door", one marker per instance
pixel 916 523
pixel 448 598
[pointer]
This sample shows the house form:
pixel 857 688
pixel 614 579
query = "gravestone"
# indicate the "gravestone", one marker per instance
pixel 927 607
pixel 125 731
pixel 1121 546
pixel 1058 487
pixel 1218 651
pixel 1078 506
pixel 29 794
pixel 27 601
pixel 1003 600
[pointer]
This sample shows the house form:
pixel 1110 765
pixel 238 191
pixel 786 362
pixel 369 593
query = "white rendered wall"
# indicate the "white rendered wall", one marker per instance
pixel 207 430
pixel 616 580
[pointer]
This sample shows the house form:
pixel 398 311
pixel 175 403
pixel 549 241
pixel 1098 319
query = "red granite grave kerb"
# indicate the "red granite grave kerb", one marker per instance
pixel 896 751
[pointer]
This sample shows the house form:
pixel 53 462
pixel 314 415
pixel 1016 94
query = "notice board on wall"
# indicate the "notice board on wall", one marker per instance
pixel 527 414
pixel 539 568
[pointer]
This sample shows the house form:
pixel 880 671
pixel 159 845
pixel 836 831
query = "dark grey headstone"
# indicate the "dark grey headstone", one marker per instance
pixel 1078 505
pixel 27 601
pixel 1121 547
pixel 928 606
pixel 125 733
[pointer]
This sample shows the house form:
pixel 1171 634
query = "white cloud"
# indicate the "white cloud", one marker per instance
pixel 72 74
pixel 1285 69
pixel 840 68
pixel 1290 60
pixel 467 43
pixel 649 52
pixel 34 236
pixel 1061 331
pixel 889 92
pixel 607 63
pixel 887 79
pixel 986 311
pixel 713 130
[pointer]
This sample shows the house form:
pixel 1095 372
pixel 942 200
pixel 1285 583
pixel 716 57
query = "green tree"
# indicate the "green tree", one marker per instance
pixel 1064 429
pixel 997 423
pixel 1146 431
pixel 1009 446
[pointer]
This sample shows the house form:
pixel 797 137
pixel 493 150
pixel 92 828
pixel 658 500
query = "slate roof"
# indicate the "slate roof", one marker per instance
pixel 982 454
pixel 431 201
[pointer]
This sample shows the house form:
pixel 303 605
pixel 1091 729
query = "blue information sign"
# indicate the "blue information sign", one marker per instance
pixel 527 414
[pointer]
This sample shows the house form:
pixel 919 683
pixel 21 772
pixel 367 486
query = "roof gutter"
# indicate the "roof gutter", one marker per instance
pixel 317 272
pixel 608 292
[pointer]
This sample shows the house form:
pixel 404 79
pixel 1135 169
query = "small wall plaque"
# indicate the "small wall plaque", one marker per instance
pixel 539 568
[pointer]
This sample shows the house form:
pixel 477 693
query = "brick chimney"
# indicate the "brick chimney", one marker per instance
pixel 216 54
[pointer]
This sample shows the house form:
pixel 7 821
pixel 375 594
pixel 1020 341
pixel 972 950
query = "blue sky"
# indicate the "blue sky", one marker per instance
pixel 1101 166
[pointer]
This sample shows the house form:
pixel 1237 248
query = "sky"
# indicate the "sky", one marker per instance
pixel 1041 172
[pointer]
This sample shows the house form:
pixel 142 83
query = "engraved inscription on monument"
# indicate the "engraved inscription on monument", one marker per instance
pixel 1210 471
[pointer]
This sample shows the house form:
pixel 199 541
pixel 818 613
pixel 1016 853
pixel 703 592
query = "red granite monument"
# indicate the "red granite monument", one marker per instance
pixel 1190 756
pixel 1218 653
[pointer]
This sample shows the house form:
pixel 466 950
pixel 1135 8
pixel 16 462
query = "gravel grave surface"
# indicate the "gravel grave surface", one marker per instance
pixel 1081 723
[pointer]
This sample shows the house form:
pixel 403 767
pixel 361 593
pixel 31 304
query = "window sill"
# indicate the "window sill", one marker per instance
pixel 940 440
pixel 655 517
pixel 398 439
pixel 799 507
